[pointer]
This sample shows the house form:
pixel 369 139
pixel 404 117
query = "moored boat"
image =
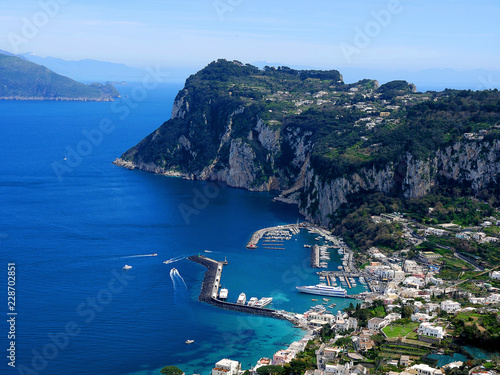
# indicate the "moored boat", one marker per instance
pixel 323 290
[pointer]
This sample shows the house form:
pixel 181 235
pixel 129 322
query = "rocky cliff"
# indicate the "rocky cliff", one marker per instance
pixel 475 164
pixel 318 140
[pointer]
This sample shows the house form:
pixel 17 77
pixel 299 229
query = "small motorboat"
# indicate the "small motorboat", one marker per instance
pixel 127 267
pixel 189 341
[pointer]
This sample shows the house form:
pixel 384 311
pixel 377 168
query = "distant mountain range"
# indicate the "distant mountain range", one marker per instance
pixel 24 80
pixel 84 70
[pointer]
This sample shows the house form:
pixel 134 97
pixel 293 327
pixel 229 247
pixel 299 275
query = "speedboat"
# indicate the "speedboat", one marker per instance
pixel 189 341
pixel 127 267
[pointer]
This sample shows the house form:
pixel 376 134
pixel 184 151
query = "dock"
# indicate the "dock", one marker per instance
pixel 348 282
pixel 315 256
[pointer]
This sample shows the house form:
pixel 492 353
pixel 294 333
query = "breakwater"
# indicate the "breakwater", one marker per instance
pixel 315 256
pixel 280 233
pixel 210 287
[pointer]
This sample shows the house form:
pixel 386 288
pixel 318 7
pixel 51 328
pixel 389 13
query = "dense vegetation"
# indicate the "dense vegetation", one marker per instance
pixel 23 79
pixel 320 103
pixel 481 330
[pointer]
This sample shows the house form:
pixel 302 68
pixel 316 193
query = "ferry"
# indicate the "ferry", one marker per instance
pixel 323 290
pixel 252 301
pixel 264 301
pixel 242 298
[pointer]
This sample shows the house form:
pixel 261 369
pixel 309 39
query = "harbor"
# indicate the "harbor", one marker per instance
pixel 210 286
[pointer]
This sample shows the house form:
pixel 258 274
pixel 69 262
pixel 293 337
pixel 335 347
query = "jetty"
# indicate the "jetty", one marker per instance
pixel 277 234
pixel 315 256
pixel 210 286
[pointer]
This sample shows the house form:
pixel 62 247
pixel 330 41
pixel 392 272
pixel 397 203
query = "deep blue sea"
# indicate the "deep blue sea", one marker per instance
pixel 71 225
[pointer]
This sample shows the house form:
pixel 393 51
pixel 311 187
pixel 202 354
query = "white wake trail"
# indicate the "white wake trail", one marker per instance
pixel 177 279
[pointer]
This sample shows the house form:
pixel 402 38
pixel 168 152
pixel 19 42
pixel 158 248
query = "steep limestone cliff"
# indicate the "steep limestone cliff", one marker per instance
pixel 475 164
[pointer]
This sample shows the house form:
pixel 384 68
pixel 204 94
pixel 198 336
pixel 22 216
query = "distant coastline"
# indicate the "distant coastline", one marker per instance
pixel 23 98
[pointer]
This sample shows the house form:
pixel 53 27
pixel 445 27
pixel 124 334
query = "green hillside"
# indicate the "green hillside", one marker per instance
pixel 21 79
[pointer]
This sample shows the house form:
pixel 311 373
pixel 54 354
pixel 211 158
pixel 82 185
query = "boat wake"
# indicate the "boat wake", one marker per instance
pixel 177 279
pixel 137 256
pixel 174 259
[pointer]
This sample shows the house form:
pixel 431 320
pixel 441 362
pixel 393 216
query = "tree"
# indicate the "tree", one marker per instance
pixel 271 370
pixel 171 370
pixel 407 312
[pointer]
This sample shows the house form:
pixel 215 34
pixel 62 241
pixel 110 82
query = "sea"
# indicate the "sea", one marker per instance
pixel 71 220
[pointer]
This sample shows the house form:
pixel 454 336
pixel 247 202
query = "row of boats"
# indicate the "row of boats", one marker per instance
pixel 242 299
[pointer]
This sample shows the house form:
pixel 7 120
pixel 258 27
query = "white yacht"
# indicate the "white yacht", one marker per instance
pixel 242 298
pixel 223 293
pixel 264 302
pixel 323 290
pixel 252 301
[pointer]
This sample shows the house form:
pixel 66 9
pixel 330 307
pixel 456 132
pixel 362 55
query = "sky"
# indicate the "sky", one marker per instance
pixel 327 34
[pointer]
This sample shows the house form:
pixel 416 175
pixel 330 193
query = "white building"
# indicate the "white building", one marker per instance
pixel 477 300
pixel 428 329
pixel 411 266
pixel 420 317
pixel 478 235
pixel 377 323
pixel 281 357
pixel 430 307
pixel 435 280
pixel 450 306
pixel 423 369
pixel 338 369
pixel 492 298
pixel 495 275
pixel 319 319
pixel 434 231
pixel 392 317
pixel 414 282
pixel 226 367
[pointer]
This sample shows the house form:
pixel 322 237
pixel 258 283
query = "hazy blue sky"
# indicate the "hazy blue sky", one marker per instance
pixel 419 34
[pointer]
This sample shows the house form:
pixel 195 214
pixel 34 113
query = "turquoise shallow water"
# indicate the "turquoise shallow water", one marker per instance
pixel 71 236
